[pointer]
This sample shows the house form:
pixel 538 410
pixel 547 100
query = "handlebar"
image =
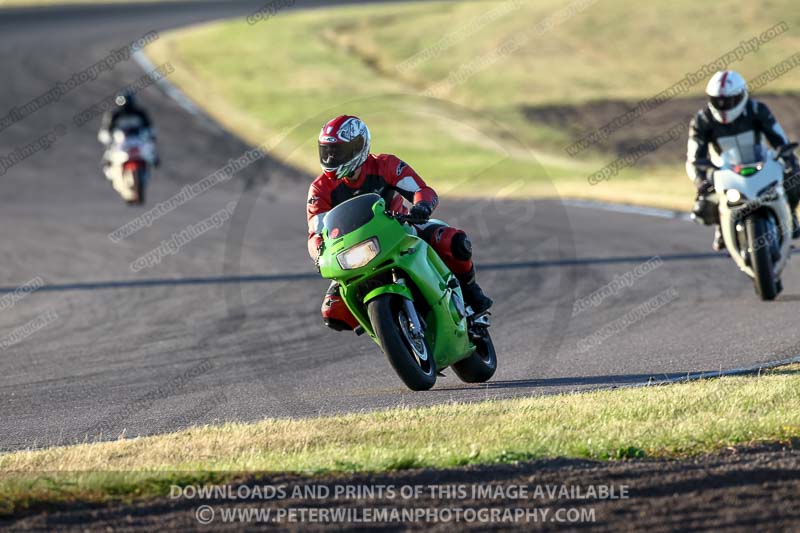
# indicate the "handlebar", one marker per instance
pixel 780 152
pixel 705 165
pixel 405 219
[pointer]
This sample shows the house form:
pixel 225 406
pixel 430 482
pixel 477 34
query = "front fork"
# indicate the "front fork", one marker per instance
pixel 417 329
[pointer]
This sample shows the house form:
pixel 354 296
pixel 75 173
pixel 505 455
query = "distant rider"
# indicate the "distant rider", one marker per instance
pixel 732 120
pixel 348 170
pixel 129 117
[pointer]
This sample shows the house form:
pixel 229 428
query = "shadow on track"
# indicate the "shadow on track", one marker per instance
pixel 289 277
pixel 609 381
pixel 594 381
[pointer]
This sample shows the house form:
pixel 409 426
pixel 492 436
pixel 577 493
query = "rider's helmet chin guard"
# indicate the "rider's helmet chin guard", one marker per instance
pixel 727 95
pixel 344 145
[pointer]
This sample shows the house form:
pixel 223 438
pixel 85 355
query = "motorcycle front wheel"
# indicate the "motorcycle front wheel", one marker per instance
pixel 758 244
pixel 410 356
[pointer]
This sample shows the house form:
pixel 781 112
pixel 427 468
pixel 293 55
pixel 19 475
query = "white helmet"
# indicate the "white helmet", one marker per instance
pixel 727 95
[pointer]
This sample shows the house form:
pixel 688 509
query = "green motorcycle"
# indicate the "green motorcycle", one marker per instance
pixel 403 295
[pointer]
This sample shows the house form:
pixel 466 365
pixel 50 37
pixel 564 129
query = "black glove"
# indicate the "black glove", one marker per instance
pixel 703 186
pixel 791 166
pixel 420 212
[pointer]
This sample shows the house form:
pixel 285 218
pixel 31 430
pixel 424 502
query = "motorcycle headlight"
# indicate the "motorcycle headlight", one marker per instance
pixel 359 255
pixel 733 196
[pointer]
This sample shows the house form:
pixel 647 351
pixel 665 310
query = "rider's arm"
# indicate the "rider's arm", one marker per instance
pixel 773 131
pixel 697 148
pixel 147 124
pixel 317 205
pixel 104 135
pixel 407 182
pixel 769 126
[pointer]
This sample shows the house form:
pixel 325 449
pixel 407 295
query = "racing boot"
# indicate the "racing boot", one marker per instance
pixel 795 226
pixel 335 313
pixel 719 241
pixel 473 294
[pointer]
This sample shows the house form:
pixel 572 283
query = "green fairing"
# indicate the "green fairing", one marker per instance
pixel 424 275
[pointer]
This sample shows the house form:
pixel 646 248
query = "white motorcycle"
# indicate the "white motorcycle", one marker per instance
pixel 127 162
pixel 754 216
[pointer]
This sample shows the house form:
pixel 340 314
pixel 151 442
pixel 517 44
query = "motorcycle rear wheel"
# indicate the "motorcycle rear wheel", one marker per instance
pixel 481 365
pixel 137 179
pixel 140 180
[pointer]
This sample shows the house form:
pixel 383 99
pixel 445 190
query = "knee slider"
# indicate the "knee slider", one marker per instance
pixel 461 247
pixel 452 242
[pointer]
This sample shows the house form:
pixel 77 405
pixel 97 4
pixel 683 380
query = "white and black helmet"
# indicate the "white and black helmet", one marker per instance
pixel 727 95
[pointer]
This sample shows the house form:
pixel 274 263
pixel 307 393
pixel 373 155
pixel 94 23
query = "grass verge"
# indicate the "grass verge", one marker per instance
pixel 278 80
pixel 664 422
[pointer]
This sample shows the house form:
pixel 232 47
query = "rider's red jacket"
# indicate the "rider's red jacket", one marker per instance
pixel 383 174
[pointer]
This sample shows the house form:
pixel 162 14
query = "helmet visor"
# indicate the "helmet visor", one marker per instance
pixel 335 155
pixel 726 103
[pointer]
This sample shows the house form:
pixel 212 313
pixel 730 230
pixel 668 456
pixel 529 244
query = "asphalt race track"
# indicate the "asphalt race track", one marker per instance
pixel 228 327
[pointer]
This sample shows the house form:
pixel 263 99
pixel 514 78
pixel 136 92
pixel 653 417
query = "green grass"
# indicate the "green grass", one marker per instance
pixel 666 421
pixel 283 77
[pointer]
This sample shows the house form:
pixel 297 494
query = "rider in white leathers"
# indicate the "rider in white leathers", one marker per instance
pixel 733 120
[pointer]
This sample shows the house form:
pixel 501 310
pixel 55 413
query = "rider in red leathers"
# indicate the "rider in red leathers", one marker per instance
pixel 349 169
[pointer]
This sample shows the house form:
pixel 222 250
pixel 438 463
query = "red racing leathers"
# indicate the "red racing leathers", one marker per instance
pixel 395 181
